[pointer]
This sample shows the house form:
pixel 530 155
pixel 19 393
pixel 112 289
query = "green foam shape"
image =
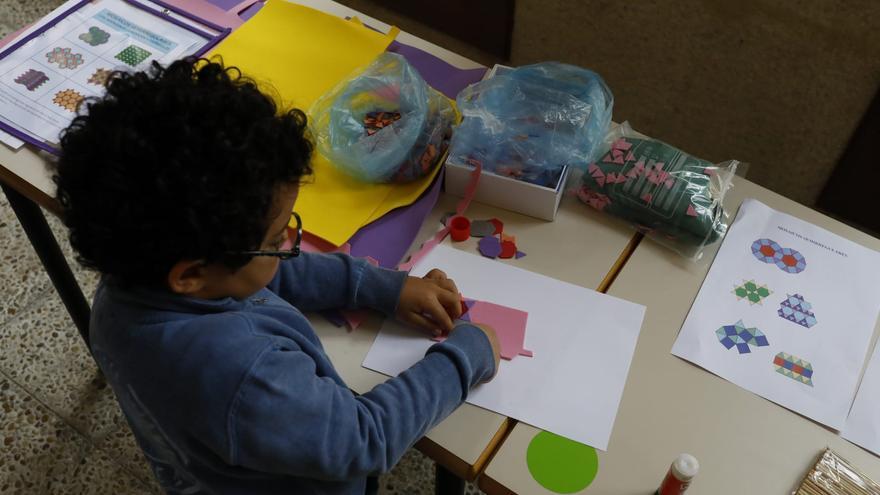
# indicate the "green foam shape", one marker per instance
pixel 561 465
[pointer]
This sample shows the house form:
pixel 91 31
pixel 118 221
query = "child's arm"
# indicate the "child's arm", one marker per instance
pixel 286 419
pixel 313 282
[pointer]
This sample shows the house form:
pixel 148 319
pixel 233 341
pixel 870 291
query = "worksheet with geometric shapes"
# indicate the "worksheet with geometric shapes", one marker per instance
pixel 787 311
pixel 43 81
pixel 568 375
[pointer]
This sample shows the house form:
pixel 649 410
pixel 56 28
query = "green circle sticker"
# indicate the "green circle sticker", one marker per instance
pixel 561 465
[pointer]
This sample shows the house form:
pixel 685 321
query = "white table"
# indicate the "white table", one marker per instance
pixel 745 444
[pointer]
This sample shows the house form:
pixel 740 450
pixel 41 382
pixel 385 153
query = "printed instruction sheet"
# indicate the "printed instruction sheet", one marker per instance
pixel 787 311
pixel 43 82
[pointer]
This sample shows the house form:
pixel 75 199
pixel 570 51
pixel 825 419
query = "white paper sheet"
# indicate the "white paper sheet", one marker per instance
pixel 32 103
pixel 839 280
pixel 863 424
pixel 583 342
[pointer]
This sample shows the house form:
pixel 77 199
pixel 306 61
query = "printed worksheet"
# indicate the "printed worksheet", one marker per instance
pixel 43 82
pixel 787 311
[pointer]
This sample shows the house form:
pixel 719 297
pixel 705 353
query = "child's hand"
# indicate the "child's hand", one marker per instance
pixel 431 302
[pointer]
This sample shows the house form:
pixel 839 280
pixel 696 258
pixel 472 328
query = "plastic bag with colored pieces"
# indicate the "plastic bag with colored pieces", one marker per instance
pixel 669 195
pixel 385 124
pixel 531 122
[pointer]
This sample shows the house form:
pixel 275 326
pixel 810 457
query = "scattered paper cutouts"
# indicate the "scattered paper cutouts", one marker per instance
pixel 795 309
pixel 509 325
pixel 95 36
pixel 741 337
pixel 32 79
pixel 133 55
pixel 68 99
pixel 751 291
pixel 794 367
pixel 490 247
pixel 65 58
pixel 786 259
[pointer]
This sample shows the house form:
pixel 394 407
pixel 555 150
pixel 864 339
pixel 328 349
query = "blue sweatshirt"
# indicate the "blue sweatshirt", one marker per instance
pixel 238 396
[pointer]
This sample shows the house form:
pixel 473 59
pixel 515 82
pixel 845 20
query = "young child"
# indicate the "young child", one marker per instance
pixel 178 186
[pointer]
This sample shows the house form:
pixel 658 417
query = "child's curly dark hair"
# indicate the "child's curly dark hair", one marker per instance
pixel 175 163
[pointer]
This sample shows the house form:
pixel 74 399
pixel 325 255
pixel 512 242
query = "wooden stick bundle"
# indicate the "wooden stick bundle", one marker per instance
pixel 834 475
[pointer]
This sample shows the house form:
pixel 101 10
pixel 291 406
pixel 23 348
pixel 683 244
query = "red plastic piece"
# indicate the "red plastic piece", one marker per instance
pixel 508 250
pixel 499 225
pixel 460 228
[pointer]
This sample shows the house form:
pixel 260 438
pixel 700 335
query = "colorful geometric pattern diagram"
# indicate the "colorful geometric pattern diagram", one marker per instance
pixel 787 259
pixel 95 36
pixel 68 99
pixel 509 325
pixel 65 58
pixel 741 337
pixel 32 79
pixel 794 367
pixel 751 291
pixel 797 310
pixel 133 55
pixel 99 77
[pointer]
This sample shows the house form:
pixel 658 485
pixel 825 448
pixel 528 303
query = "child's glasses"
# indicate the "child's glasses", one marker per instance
pixel 284 255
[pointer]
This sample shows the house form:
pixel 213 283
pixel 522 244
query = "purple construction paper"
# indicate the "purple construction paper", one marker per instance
pixel 388 238
pixel 250 11
pixel 442 76
pixel 224 4
pixel 520 254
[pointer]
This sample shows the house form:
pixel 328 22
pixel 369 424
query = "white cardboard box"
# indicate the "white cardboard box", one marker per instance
pixel 505 192
pixel 510 194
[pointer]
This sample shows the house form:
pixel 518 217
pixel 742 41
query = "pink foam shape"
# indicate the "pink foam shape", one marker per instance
pixel 621 144
pixel 647 197
pixel 691 211
pixel 509 325
pixel 607 158
pixel 630 157
pixel 669 182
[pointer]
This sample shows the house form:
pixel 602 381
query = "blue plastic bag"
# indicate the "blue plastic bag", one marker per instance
pixel 530 123
pixel 407 146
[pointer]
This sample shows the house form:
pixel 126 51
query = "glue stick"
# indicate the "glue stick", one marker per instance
pixel 680 474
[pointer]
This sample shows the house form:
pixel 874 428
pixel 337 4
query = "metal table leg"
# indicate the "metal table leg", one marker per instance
pixel 37 229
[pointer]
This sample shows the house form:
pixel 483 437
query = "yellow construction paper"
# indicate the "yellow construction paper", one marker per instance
pixel 297 54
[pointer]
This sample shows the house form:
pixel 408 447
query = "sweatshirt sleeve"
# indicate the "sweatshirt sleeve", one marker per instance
pixel 315 282
pixel 288 420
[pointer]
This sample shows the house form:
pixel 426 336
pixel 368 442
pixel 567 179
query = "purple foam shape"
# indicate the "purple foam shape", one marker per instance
pixel 520 254
pixel 490 247
pixel 442 76
pixel 388 238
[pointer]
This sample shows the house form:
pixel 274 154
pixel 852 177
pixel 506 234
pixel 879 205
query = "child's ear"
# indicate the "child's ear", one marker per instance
pixel 187 277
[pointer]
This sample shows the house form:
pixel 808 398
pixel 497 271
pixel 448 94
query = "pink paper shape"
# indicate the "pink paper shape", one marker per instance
pixel 647 197
pixel 691 211
pixel 509 325
pixel 621 144
pixel 596 173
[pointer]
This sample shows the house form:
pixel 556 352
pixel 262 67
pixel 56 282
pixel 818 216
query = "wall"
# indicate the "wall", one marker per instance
pixel 781 85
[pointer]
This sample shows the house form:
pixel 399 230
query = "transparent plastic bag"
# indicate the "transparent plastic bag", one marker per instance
pixel 385 124
pixel 667 194
pixel 530 123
